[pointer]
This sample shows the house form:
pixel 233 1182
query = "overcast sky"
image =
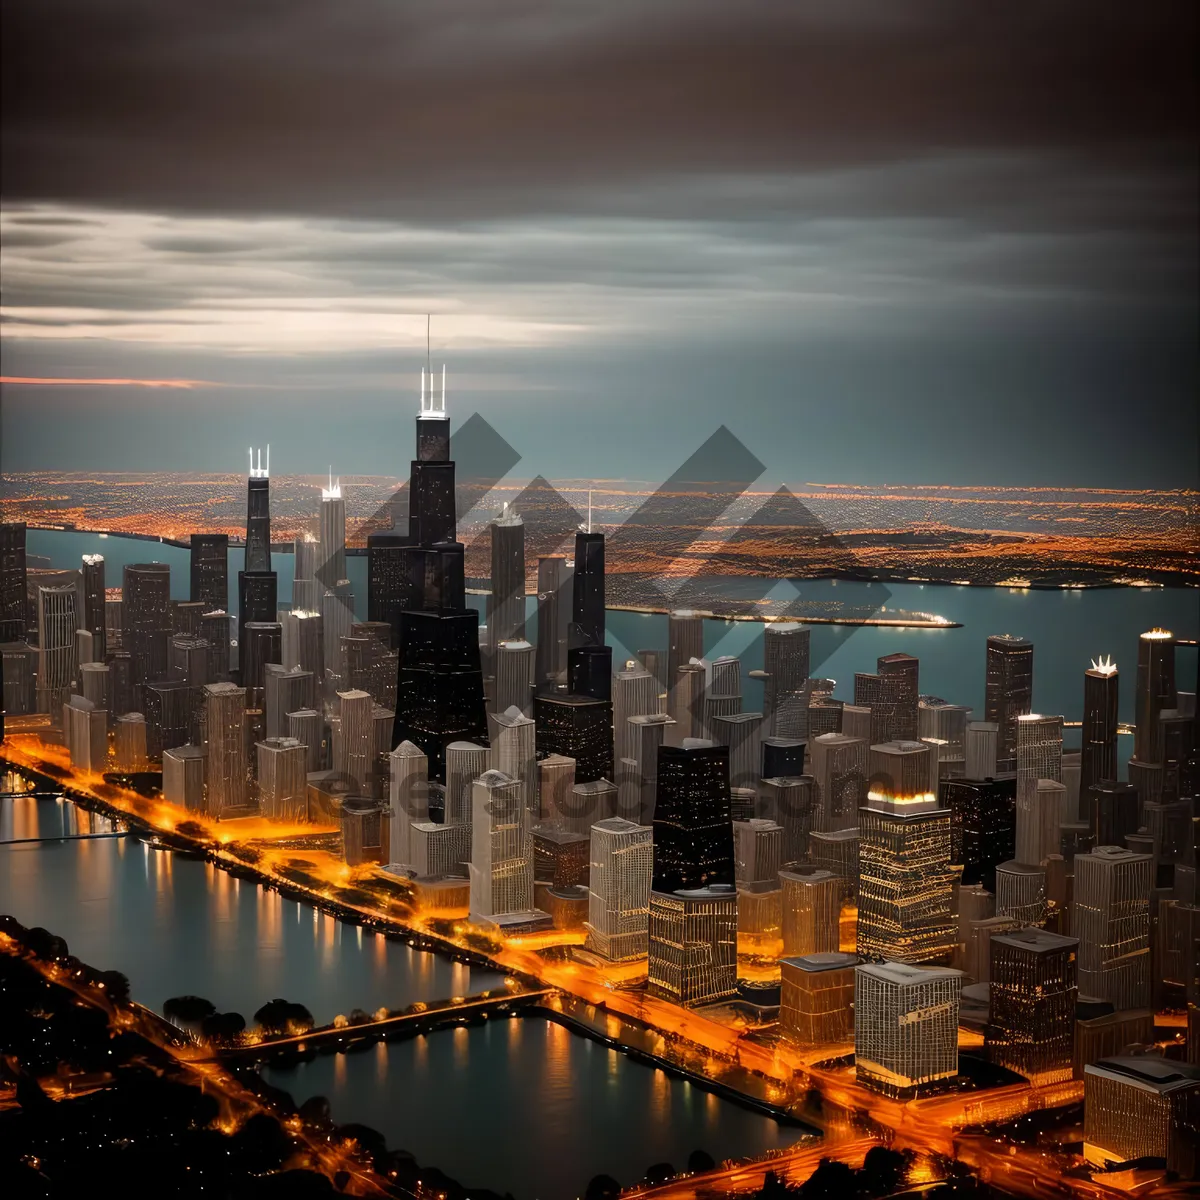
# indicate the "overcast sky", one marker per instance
pixel 941 242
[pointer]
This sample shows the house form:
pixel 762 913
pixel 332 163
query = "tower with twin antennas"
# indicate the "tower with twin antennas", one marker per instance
pixel 417 583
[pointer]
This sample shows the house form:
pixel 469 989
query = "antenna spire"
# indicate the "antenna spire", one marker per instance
pixel 589 510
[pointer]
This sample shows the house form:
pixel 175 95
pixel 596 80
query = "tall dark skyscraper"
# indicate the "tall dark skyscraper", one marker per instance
pixel 14 599
pixel 506 601
pixel 693 817
pixel 389 590
pixel 257 601
pixel 587 608
pixel 93 603
pixel 900 674
pixel 578 727
pixel 439 689
pixel 983 825
pixel 146 621
pixel 210 569
pixel 258 515
pixel 1009 691
pixel 552 621
pixel 1098 760
pixel 1155 692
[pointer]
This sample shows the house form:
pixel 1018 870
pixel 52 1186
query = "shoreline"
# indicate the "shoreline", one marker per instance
pixel 288 547
pixel 424 940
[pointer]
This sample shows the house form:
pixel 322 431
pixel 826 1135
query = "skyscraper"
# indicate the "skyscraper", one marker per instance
pixel 209 561
pixel 587 593
pixel 1009 691
pixel 465 762
pixel 758 850
pixel 577 727
pixel 146 619
pixel 553 621
pixel 13 582
pixel 1101 686
pixel 94 598
pixel 621 863
pixel 982 825
pixel 812 903
pixel 257 602
pixel 982 747
pixel 501 869
pixel 1039 751
pixel 900 674
pixel 816 1002
pixel 1111 918
pixel 786 658
pixel 514 754
pixel 693 822
pixel 58 619
pixel 693 944
pixel 1155 692
pixel 282 778
pixel 354 740
pixel 685 643
pixel 408 797
pixel 1031 1022
pixel 839 771
pixel 330 567
pixel 183 777
pixel 439 691
pixel 512 665
pixel 227 768
pixel 506 600
pixel 304 573
pixel 904 885
pixel 258 515
pixel 905 1027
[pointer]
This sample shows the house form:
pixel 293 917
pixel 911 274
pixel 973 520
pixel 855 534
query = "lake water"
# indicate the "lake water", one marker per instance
pixel 521 1105
pixel 1068 627
pixel 177 925
pixel 526 1106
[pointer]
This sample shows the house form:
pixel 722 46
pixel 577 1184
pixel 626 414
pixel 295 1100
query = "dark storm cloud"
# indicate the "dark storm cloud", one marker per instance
pixel 449 111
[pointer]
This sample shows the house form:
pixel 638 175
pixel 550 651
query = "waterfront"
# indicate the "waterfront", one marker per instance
pixel 176 926
pixel 526 1106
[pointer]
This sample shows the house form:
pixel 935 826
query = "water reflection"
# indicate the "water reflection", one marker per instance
pixel 176 926
pixel 464 1099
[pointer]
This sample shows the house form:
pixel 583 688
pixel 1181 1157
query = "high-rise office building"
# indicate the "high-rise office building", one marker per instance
pixel 788 801
pixel 1009 692
pixel 621 862
pixel 14 587
pixel 982 825
pixel 783 758
pixel 129 741
pixel 408 797
pixel 209 563
pixel 786 659
pixel 1101 688
pixel 94 600
pixel 306 726
pixel 741 732
pixel 692 944
pixel 982 748
pixel 556 782
pixel 259 647
pixel 1039 820
pixel 1031 1022
pixel 366 833
pixel 501 869
pixel 587 592
pixel 513 752
pixel 146 619
pixel 685 703
pixel 304 573
pixel 634 694
pixel 900 676
pixel 215 629
pixel 170 715
pixel 282 778
pixel 1141 1110
pixel 812 902
pixel 904 876
pixel 506 600
pixel 816 1000
pixel 837 852
pixel 85 732
pixel 758 850
pixel 838 765
pixel 1111 918
pixel 905 1027
pixel 257 603
pixel 1021 892
pixel 577 727
pixel 513 666
pixel 258 516
pixel 18 661
pixel 58 617
pixel 948 723
pixel 693 822
pixel 465 762
pixel 354 739
pixel 227 767
pixel 330 567
pixel 685 644
pixel 1039 751
pixel 553 621
pixel 93 683
pixel 285 690
pixel 1155 692
pixel 183 777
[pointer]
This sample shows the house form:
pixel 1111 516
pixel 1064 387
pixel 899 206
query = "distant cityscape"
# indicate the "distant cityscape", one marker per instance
pixel 829 905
